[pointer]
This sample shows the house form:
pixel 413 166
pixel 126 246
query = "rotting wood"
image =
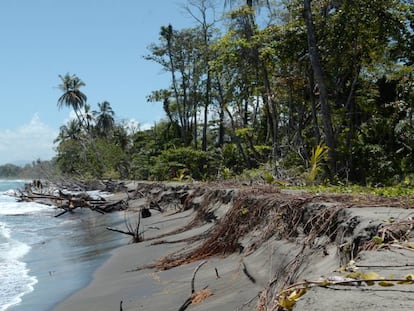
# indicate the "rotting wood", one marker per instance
pixel 247 273
pixel 70 201
pixel 217 274
pixel 133 230
pixel 189 300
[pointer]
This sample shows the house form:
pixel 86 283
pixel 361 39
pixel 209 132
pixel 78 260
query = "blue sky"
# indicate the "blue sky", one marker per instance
pixel 101 41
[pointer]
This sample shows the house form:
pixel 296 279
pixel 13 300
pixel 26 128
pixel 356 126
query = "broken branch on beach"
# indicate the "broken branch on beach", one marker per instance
pixel 132 229
pixel 194 295
pixel 68 201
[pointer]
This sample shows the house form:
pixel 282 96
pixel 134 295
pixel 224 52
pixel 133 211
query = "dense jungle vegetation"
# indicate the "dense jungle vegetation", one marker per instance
pixel 310 91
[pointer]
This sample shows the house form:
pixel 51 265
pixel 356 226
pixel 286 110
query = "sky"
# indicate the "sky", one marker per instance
pixel 101 41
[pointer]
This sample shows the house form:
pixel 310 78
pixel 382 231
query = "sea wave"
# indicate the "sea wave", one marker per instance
pixel 14 275
pixel 12 207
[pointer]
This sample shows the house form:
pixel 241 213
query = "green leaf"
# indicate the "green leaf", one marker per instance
pixel 368 277
pixel 385 283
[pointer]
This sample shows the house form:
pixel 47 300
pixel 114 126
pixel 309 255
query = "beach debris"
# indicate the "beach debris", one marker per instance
pixel 69 200
pixel 217 274
pixel 393 233
pixel 133 229
pixel 287 298
pixel 145 212
pixel 247 273
pixel 199 296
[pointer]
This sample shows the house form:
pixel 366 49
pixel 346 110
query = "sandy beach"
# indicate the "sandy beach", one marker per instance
pixel 144 276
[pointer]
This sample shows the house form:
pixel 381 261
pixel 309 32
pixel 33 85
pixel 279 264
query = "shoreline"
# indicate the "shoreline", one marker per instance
pixel 157 274
pixel 66 264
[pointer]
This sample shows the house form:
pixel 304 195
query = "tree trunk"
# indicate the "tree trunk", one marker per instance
pixel 314 108
pixel 320 80
pixel 169 36
pixel 270 108
pixel 195 125
pixel 206 104
pixel 221 116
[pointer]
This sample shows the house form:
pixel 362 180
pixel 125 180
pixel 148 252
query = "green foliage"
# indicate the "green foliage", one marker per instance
pixel 70 157
pixel 262 106
pixel 100 159
pixel 316 161
pixel 184 161
pixel 225 173
pixel 232 158
pixel 182 175
pixel 10 170
pixel 399 190
pixel 268 177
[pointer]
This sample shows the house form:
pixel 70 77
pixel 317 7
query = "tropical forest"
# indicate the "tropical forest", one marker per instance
pixel 302 92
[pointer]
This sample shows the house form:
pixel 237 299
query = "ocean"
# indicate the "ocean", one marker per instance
pixel 44 259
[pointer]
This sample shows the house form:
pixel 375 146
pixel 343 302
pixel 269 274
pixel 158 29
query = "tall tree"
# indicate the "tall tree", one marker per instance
pixel 105 119
pixel 71 131
pixel 72 96
pixel 203 8
pixel 320 80
pixel 88 116
pixel 179 53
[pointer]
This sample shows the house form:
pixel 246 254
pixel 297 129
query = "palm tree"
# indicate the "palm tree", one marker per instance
pixel 71 130
pixel 105 118
pixel 88 116
pixel 72 97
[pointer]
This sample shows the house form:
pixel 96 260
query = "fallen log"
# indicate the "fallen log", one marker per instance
pixel 61 213
pixel 68 201
pixel 121 204
pixel 67 208
pixel 97 209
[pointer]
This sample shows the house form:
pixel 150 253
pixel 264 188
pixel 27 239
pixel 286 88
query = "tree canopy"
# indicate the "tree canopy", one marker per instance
pixel 245 95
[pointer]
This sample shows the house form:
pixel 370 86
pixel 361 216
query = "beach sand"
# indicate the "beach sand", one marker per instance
pixel 236 281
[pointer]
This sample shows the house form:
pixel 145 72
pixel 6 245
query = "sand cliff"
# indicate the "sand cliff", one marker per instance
pixel 242 247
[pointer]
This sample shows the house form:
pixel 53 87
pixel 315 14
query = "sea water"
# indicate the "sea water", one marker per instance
pixel 16 240
pixel 44 259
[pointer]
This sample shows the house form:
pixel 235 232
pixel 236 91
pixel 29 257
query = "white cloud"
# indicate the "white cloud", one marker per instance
pixel 27 143
pixel 133 125
pixel 146 126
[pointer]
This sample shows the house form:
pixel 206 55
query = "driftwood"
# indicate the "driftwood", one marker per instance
pixel 68 202
pixel 189 300
pixel 132 230
pixel 120 231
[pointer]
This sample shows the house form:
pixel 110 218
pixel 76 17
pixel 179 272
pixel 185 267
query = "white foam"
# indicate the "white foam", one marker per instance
pixel 4 231
pixel 17 208
pixel 14 276
pixel 15 283
pixel 14 180
pixel 10 192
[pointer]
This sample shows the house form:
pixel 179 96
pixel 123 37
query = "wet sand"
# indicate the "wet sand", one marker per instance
pixel 66 263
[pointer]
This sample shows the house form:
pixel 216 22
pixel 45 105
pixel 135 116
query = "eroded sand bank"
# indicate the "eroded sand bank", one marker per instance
pixel 256 241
